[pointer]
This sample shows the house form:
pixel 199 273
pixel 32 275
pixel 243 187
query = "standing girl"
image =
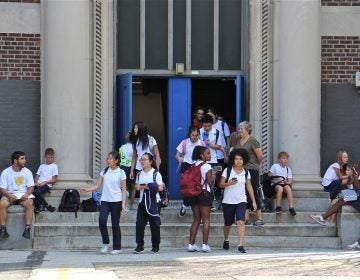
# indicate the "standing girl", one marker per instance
pixel 126 153
pixel 149 183
pixel 234 203
pixel 142 143
pixel 201 204
pixel 113 197
pixel 183 155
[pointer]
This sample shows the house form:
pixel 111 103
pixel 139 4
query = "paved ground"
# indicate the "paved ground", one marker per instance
pixel 176 264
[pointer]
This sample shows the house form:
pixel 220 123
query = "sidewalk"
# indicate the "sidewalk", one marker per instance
pixel 178 264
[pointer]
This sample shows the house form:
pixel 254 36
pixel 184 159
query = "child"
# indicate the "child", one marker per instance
pixel 126 153
pixel 45 177
pixel 280 185
pixel 236 182
pixel 149 183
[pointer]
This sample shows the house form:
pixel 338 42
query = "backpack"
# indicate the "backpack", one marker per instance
pixel 190 181
pixel 267 184
pixel 70 201
pixel 89 205
pixel 164 194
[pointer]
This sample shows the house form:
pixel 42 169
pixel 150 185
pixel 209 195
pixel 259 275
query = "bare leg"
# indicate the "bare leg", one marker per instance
pixel 4 205
pixel 279 194
pixel 205 216
pixel 195 224
pixel 226 232
pixel 28 205
pixel 334 208
pixel 241 231
pixel 289 195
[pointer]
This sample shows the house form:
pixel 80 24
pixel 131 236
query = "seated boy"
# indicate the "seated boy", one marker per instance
pixel 16 185
pixel 45 177
pixel 282 185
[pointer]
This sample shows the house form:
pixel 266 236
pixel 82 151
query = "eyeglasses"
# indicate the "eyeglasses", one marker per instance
pixel 144 159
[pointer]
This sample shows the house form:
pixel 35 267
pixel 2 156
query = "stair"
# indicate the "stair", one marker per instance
pixel 63 231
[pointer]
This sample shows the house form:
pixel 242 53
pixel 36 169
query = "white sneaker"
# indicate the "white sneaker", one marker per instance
pixel 115 252
pixel 104 249
pixel 206 248
pixel 319 219
pixel 193 248
pixel 355 245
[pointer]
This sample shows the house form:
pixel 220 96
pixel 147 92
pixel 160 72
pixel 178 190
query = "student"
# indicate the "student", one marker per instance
pixel 113 200
pixel 142 143
pixel 234 202
pixel 281 186
pixel 45 178
pixel 149 182
pixel 201 204
pixel 16 185
pixel 198 116
pixel 183 155
pixel 126 153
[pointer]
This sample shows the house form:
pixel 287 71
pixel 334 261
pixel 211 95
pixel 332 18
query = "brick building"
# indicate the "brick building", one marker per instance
pixel 292 62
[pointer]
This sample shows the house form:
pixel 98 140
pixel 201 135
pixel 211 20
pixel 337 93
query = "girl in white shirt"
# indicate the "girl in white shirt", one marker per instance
pixel 113 198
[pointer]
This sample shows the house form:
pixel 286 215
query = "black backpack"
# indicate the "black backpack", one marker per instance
pixel 70 201
pixel 89 205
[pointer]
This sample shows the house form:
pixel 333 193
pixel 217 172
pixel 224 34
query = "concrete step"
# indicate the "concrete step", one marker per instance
pixel 128 242
pixel 176 229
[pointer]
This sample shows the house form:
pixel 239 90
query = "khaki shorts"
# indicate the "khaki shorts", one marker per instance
pixel 16 202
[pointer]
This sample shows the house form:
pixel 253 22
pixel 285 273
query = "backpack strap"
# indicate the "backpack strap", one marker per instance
pixel 154 175
pixel 217 133
pixel 228 171
pixel 106 170
pixel 183 144
pixel 202 143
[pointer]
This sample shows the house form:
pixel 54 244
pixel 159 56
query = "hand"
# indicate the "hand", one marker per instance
pixel 24 197
pixel 84 190
pixel 233 182
pixel 12 198
pixel 131 175
pixel 254 206
pixel 37 184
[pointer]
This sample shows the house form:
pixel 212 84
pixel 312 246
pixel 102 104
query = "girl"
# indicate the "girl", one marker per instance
pixel 149 183
pixel 201 204
pixel 126 153
pixel 183 155
pixel 142 143
pixel 234 202
pixel 113 197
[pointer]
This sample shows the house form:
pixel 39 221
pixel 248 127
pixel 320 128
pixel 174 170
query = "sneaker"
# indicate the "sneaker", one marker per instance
pixel 193 248
pixel 258 223
pixel 182 211
pixel 278 210
pixel 50 208
pixel 206 248
pixel 154 250
pixel 226 245
pixel 4 233
pixel 248 222
pixel 36 210
pixel 115 252
pixel 319 219
pixel 241 249
pixel 355 245
pixel 213 209
pixel 139 249
pixel 26 233
pixel 292 211
pixel 104 249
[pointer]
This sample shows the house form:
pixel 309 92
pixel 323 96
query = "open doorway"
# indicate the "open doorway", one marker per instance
pixel 219 94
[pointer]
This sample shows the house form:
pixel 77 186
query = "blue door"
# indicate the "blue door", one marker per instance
pixel 240 99
pixel 179 117
pixel 123 107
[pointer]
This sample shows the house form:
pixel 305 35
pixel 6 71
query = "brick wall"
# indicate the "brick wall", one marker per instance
pixel 340 58
pixel 19 56
pixel 340 2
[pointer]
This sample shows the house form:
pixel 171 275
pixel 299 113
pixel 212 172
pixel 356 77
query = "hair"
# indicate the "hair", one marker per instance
pixel 247 125
pixel 151 159
pixel 198 151
pixel 193 129
pixel 197 108
pixel 339 155
pixel 281 154
pixel 16 155
pixel 142 135
pixel 49 151
pixel 208 119
pixel 238 152
pixel 115 155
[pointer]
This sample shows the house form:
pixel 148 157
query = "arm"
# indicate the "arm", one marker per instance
pixel 210 178
pixel 338 173
pixel 157 157
pixel 123 190
pixel 29 191
pixel 95 187
pixel 52 181
pixel 259 155
pixel 36 180
pixel 178 157
pixel 133 164
pixel 223 185
pixel 251 193
pixel 8 194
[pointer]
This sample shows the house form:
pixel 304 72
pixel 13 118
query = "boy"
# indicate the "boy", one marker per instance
pixel 282 185
pixel 45 177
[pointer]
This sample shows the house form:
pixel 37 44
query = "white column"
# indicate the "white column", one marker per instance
pixel 297 85
pixel 66 85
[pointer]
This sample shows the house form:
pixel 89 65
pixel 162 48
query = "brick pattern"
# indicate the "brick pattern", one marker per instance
pixel 340 59
pixel 21 1
pixel 340 2
pixel 19 56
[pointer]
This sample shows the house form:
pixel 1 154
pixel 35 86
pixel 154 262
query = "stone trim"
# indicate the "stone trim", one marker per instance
pixel 340 3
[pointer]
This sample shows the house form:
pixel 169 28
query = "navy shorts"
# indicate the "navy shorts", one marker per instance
pixel 333 188
pixel 233 212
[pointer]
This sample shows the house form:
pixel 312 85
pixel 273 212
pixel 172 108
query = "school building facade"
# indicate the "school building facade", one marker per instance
pixel 75 75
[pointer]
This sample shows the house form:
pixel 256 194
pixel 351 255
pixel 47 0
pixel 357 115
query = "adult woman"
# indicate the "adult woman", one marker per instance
pixel 244 139
pixel 142 143
pixel 201 204
pixel 149 183
pixel 113 198
pixel 183 155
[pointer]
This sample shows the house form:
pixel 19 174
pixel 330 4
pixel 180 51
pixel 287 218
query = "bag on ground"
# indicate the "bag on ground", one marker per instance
pixel 70 201
pixel 89 205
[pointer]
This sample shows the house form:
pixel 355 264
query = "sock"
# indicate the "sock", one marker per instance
pixel 27 226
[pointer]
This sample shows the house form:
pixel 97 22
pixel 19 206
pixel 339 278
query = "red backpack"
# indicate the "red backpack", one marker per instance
pixel 190 181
